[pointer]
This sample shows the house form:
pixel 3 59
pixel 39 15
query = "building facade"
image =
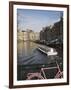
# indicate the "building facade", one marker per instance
pixel 50 33
pixel 28 35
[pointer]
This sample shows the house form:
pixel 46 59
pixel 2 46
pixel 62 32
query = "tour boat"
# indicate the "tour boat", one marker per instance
pixel 48 51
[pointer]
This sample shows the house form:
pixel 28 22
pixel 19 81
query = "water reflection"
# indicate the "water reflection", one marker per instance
pixel 30 59
pixel 26 48
pixel 28 54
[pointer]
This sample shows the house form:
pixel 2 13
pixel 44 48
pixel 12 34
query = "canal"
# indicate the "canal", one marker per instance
pixel 30 59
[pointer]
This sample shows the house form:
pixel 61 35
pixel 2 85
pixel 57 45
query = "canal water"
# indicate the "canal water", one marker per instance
pixel 30 59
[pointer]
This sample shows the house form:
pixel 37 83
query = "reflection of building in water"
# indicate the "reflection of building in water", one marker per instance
pixel 28 35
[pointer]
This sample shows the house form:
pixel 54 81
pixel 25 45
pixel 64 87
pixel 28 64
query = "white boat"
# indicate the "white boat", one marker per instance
pixel 52 52
pixel 48 51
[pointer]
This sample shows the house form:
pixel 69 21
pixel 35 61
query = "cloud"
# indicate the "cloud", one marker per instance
pixel 36 19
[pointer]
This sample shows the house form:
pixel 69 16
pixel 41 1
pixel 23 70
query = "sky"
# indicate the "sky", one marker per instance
pixel 36 19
